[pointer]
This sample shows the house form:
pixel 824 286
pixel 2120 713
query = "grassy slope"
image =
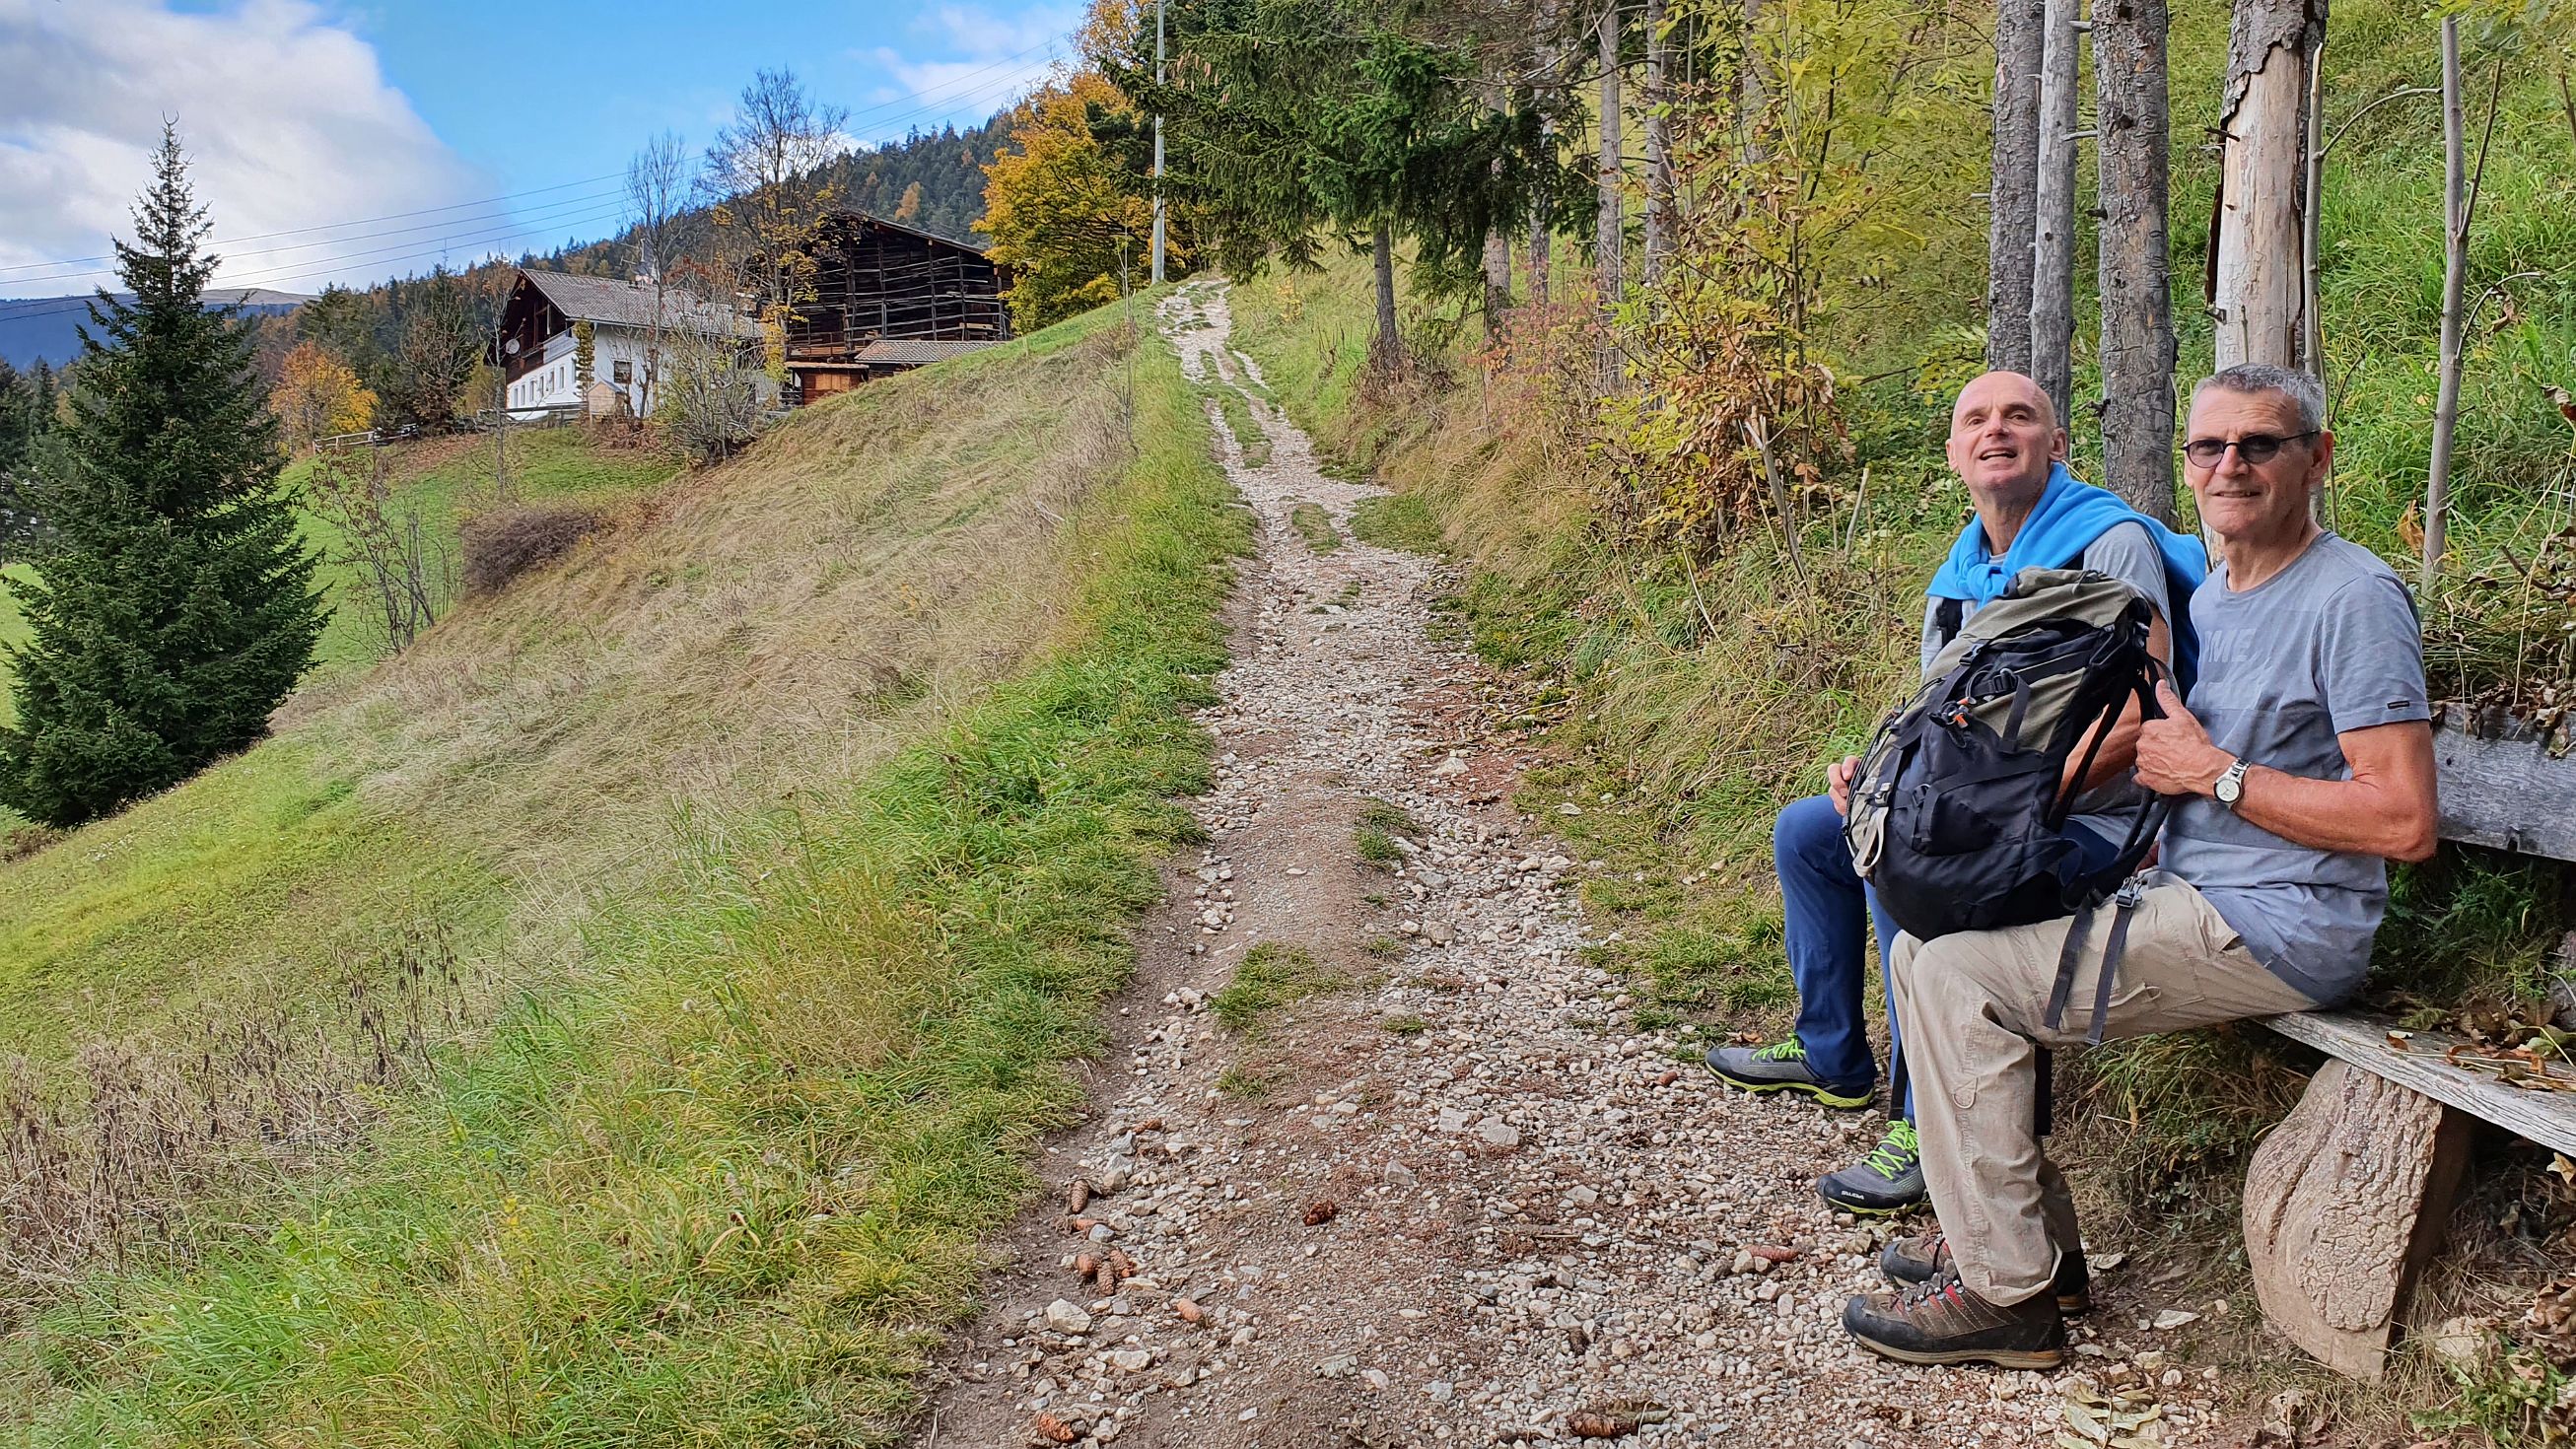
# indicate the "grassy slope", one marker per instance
pixel 443 479
pixel 841 899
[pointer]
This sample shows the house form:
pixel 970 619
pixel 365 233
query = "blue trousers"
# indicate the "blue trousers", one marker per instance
pixel 1826 902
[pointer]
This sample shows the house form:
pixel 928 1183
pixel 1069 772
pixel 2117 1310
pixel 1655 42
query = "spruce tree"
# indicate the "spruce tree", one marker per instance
pixel 176 605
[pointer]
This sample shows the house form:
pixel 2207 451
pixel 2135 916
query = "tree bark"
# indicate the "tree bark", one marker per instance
pixel 2052 253
pixel 2015 199
pixel 2136 284
pixel 1609 231
pixel 2312 206
pixel 1543 48
pixel 2344 1204
pixel 1659 158
pixel 1386 349
pixel 2455 269
pixel 2255 262
pixel 1498 243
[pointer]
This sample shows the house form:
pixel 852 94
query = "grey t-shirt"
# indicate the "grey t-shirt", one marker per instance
pixel 2328 645
pixel 2125 552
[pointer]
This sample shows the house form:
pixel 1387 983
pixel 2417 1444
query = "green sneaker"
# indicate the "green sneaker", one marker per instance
pixel 1889 1180
pixel 1782 1067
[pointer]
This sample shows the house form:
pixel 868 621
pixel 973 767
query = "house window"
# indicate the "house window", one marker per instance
pixel 623 371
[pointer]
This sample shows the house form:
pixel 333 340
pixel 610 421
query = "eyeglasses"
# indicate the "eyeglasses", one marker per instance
pixel 2254 448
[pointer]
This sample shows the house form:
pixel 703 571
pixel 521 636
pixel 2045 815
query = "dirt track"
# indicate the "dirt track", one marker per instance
pixel 1534 1213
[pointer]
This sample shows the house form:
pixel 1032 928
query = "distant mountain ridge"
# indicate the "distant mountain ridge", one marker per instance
pixel 49 327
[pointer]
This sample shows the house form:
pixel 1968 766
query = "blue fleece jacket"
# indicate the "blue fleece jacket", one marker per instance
pixel 2070 516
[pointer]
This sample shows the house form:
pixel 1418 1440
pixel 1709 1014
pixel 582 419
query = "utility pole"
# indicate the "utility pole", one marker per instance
pixel 1159 6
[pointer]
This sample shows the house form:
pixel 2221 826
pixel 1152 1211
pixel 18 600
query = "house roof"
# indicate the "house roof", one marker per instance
pixel 848 217
pixel 915 351
pixel 630 303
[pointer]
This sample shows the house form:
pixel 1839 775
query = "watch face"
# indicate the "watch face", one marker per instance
pixel 2230 785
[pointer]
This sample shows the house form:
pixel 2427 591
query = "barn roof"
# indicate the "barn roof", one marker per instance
pixel 630 303
pixel 915 351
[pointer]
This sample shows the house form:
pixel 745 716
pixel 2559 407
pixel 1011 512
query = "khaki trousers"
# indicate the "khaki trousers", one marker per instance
pixel 1972 1007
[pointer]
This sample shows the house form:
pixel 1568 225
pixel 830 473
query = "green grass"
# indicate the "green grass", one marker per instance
pixel 1373 834
pixel 1405 1025
pixel 1242 1085
pixel 1270 976
pixel 1315 526
pixel 1399 520
pixel 722 1177
pixel 1247 430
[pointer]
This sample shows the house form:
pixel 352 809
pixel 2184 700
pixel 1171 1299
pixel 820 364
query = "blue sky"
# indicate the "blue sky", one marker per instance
pixel 485 124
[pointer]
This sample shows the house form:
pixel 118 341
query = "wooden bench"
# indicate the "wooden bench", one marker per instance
pixel 2346 1200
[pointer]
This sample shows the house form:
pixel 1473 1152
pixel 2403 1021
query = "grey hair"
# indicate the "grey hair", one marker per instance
pixel 2304 392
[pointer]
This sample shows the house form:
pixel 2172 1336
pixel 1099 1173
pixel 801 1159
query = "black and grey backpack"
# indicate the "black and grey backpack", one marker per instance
pixel 1958 811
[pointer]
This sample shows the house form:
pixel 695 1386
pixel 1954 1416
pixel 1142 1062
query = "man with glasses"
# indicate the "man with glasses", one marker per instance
pixel 2006 446
pixel 2303 763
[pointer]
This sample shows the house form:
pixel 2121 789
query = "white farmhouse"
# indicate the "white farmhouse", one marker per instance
pixel 537 342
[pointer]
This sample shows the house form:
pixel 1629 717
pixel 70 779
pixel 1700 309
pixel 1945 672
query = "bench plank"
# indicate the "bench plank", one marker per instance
pixel 2503 790
pixel 2543 1117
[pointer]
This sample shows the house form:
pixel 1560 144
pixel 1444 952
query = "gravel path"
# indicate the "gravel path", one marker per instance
pixel 1457 1199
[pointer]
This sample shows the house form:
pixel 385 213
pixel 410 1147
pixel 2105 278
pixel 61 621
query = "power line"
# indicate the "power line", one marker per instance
pixel 271 277
pixel 543 215
pixel 332 225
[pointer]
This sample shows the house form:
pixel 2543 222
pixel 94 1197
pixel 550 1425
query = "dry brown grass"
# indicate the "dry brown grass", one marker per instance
pixel 750 639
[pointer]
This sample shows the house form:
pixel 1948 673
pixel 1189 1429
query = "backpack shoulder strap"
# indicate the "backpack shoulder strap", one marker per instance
pixel 1948 616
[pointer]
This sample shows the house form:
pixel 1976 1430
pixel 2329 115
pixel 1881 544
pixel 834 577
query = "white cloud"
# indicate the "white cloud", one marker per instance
pixel 287 119
pixel 971 63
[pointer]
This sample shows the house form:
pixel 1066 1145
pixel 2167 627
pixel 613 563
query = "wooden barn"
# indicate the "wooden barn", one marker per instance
pixel 887 298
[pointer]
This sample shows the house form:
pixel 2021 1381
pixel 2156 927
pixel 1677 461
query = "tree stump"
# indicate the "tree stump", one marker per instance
pixel 2344 1202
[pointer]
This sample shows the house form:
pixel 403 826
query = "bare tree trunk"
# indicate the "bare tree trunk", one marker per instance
pixel 2136 283
pixel 1608 238
pixel 2312 207
pixel 2052 253
pixel 1659 154
pixel 2018 28
pixel 1549 58
pixel 1498 243
pixel 1386 349
pixel 2255 272
pixel 2455 272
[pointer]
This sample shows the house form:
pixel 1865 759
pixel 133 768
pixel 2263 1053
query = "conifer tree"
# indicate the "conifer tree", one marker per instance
pixel 176 605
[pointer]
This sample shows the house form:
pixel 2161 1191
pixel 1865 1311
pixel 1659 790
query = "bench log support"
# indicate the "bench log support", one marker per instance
pixel 2344 1203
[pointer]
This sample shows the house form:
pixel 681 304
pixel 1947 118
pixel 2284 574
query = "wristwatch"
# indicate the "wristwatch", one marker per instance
pixel 2231 785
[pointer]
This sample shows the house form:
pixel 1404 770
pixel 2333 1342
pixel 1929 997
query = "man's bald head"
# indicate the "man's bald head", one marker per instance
pixel 2004 439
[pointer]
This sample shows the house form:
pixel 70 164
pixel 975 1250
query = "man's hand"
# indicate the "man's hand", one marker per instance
pixel 1838 782
pixel 2175 756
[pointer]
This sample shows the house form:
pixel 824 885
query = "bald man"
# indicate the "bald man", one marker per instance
pixel 2006 446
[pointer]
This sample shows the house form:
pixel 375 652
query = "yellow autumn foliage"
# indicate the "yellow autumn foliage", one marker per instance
pixel 1057 203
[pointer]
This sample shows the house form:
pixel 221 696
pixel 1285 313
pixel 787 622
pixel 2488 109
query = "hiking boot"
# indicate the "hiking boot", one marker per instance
pixel 1940 1321
pixel 1782 1067
pixel 1926 1255
pixel 1888 1181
